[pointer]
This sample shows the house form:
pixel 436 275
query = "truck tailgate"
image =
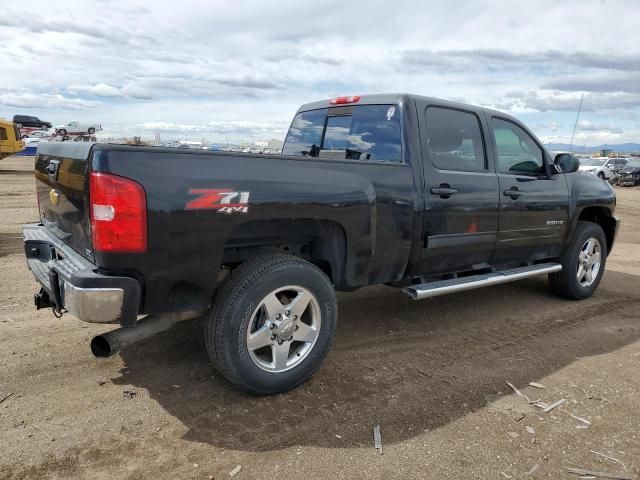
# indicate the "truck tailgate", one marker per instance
pixel 62 187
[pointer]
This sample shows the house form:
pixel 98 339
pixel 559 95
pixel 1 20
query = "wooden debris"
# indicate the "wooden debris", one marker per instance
pixel 536 385
pixel 235 471
pixel 377 439
pixel 590 473
pixel 42 431
pixel 5 397
pixel 610 458
pixel 554 405
pixel 533 469
pixel 583 420
pixel 518 392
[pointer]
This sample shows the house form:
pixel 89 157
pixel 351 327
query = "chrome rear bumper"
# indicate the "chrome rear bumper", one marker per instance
pixel 73 284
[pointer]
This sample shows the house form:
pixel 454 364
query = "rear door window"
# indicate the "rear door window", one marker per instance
pixel 364 132
pixel 455 140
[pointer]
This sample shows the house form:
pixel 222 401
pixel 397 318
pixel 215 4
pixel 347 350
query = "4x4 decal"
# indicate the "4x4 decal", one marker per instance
pixel 224 200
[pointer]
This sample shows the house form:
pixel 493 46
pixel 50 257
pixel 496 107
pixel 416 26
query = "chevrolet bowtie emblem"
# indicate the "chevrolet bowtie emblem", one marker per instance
pixel 54 197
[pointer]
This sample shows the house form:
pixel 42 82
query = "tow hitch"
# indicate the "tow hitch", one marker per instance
pixel 41 299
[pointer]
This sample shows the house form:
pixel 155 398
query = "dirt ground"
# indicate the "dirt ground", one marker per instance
pixel 432 374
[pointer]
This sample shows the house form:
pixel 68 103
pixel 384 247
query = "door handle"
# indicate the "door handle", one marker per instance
pixel 443 190
pixel 513 192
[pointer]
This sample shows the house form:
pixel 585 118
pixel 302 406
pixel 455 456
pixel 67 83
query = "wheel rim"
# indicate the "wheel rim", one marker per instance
pixel 283 329
pixel 589 261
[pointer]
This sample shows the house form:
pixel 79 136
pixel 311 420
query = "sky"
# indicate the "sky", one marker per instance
pixel 238 70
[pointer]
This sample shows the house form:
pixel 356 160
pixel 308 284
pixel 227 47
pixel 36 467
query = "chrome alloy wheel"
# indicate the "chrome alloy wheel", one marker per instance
pixel 589 261
pixel 283 328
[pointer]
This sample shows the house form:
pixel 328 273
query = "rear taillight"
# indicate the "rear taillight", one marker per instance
pixel 344 100
pixel 118 214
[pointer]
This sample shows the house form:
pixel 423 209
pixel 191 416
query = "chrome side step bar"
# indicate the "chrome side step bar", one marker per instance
pixel 442 287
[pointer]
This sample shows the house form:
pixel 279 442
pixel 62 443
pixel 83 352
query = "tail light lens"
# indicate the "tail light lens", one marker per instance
pixel 345 100
pixel 118 214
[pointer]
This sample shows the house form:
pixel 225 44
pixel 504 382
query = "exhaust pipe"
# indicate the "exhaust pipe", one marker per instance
pixel 110 343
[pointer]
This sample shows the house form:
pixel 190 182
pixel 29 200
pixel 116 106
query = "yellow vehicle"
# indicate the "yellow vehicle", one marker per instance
pixel 10 141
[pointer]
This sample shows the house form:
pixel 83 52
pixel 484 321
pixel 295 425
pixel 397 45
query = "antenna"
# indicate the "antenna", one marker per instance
pixel 576 124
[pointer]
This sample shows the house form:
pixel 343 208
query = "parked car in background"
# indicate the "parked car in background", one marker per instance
pixel 629 175
pixel 10 141
pixel 36 134
pixel 77 128
pixel 29 121
pixel 600 167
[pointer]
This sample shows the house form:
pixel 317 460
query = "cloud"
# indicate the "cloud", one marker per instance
pixel 588 126
pixel 44 100
pixel 211 61
pixel 490 58
pixel 611 82
pixel 563 102
pixel 98 90
pixel 99 30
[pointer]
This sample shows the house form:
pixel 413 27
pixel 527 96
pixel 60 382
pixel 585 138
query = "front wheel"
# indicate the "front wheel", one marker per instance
pixel 91 131
pixel 582 263
pixel 62 132
pixel 271 323
pixel 601 175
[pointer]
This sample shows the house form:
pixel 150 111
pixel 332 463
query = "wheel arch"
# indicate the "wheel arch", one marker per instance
pixel 603 217
pixel 321 242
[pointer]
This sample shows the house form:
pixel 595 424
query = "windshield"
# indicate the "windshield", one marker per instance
pixel 633 163
pixel 364 132
pixel 591 162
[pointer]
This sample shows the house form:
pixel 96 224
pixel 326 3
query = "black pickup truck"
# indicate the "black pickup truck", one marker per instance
pixel 422 194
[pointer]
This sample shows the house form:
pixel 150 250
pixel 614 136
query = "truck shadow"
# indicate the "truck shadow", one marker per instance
pixel 409 366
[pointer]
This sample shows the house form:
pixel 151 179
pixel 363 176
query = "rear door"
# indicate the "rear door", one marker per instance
pixel 61 186
pixel 534 204
pixel 461 191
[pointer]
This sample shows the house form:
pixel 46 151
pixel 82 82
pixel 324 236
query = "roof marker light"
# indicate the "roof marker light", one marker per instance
pixel 344 100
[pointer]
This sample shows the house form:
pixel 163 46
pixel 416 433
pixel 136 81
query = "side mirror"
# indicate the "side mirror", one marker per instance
pixel 566 163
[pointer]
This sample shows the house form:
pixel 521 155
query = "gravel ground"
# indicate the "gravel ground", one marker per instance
pixel 432 374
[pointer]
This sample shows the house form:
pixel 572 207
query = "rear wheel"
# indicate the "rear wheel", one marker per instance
pixel 91 131
pixel 582 263
pixel 271 323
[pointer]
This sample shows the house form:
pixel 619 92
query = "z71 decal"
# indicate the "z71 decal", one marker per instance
pixel 224 200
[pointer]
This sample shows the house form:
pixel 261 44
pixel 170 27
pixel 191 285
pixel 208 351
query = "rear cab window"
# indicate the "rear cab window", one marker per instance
pixel 362 132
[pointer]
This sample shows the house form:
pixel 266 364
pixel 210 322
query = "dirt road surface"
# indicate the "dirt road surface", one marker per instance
pixel 432 374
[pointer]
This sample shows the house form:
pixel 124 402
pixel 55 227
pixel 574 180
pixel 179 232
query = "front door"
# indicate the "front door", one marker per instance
pixel 461 192
pixel 534 203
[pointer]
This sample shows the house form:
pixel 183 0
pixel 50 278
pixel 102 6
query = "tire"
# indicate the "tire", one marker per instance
pixel 567 283
pixel 241 311
pixel 62 132
pixel 91 131
pixel 601 175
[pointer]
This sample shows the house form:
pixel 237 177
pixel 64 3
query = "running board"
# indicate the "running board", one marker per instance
pixel 442 287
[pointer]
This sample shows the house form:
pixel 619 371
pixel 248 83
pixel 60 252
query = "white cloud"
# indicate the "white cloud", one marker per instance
pixel 43 100
pixel 98 90
pixel 223 62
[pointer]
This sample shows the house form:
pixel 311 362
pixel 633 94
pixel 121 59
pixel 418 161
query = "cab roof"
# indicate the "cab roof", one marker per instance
pixel 398 99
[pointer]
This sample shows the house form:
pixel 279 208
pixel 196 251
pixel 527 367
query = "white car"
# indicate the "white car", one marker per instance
pixel 36 134
pixel 599 166
pixel 77 128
